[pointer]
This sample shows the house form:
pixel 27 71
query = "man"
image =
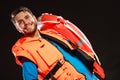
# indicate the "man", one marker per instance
pixel 42 58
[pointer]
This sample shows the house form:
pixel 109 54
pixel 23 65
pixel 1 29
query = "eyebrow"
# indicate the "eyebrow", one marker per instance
pixel 27 16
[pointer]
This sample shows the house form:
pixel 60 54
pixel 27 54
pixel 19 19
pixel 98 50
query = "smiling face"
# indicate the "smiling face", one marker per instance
pixel 26 22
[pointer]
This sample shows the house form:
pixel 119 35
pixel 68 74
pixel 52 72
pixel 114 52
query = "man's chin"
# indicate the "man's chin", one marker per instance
pixel 29 32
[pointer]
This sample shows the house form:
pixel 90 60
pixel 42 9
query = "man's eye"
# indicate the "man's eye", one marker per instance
pixel 27 17
pixel 20 22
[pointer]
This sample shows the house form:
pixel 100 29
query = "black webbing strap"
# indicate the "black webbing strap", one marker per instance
pixel 52 72
pixel 87 60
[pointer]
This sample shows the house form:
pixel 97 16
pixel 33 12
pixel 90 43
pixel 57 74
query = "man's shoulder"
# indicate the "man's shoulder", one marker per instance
pixel 19 42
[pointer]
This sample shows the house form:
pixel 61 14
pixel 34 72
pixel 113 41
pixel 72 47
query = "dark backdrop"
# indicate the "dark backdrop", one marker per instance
pixel 99 20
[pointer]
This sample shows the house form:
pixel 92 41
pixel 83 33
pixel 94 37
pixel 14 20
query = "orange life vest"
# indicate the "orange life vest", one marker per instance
pixel 70 32
pixel 45 56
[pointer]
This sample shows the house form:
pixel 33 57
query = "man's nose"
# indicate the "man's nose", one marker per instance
pixel 26 22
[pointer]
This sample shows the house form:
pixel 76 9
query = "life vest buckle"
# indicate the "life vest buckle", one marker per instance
pixel 62 61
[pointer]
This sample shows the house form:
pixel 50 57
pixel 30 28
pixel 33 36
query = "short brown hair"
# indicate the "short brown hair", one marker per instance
pixel 15 12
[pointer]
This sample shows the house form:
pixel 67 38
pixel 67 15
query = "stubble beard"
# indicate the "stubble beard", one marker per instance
pixel 33 30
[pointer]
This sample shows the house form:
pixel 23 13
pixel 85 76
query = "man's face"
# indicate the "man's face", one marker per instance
pixel 26 22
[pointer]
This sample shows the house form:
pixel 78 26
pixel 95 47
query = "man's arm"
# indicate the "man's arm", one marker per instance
pixel 29 70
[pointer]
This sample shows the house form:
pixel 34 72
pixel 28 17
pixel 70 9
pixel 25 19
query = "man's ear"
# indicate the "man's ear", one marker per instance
pixel 17 26
pixel 34 19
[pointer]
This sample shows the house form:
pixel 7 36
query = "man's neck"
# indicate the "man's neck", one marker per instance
pixel 37 34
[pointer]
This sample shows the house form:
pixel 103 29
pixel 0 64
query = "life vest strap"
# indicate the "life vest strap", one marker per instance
pixel 87 60
pixel 80 54
pixel 54 70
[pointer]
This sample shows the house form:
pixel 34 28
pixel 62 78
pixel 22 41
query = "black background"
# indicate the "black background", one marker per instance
pixel 98 19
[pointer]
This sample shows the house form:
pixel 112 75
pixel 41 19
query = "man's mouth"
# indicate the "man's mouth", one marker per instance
pixel 28 26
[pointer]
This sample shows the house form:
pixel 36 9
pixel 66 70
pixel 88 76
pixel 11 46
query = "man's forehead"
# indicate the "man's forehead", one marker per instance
pixel 22 14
